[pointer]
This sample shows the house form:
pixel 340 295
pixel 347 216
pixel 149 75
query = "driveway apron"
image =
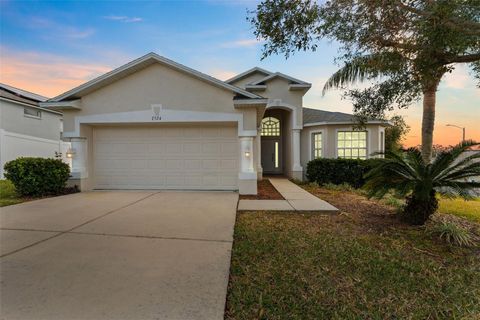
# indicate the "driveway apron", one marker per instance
pixel 117 255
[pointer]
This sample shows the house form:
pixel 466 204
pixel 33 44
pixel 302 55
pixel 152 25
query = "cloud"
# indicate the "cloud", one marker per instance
pixel 53 30
pixel 243 43
pixel 222 74
pixel 124 19
pixel 44 73
pixel 459 78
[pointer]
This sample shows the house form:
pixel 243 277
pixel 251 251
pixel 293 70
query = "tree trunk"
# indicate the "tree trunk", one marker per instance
pixel 428 121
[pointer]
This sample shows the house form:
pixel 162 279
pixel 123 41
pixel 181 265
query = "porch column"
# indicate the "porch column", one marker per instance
pixel 247 178
pixel 79 158
pixel 297 170
pixel 258 156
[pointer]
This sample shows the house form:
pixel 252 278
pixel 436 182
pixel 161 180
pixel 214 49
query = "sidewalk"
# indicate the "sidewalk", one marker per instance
pixel 296 199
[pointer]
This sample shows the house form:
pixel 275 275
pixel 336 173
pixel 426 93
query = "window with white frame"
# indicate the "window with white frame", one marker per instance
pixel 352 144
pixel 32 113
pixel 316 145
pixel 270 127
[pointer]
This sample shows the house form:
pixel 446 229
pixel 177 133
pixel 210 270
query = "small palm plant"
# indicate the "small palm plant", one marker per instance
pixel 407 174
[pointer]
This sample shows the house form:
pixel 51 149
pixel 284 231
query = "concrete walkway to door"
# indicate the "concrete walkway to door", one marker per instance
pixel 117 255
pixel 296 199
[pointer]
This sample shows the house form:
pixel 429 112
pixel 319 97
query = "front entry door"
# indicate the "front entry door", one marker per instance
pixel 271 155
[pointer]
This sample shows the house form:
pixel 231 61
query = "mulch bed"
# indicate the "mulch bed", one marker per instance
pixel 368 213
pixel 266 191
pixel 372 215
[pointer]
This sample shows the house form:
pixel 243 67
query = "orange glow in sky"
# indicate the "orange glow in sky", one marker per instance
pixel 458 100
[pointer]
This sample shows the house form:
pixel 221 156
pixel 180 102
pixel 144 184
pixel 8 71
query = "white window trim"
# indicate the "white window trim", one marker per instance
pixel 168 116
pixel 310 142
pixel 369 143
pixel 26 115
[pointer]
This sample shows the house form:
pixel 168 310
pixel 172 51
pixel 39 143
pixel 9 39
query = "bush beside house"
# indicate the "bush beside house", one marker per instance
pixel 340 171
pixel 34 177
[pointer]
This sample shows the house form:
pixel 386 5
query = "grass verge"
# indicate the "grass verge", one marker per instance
pixel 8 195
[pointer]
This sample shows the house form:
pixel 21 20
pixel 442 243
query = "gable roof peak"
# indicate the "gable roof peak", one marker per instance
pixel 142 62
pixel 247 73
pixel 281 75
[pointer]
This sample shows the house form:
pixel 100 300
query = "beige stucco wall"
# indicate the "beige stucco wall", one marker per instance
pixel 248 79
pixel 329 143
pixel 278 89
pixel 156 84
pixel 12 119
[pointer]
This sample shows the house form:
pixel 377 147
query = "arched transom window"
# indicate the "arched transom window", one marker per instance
pixel 270 127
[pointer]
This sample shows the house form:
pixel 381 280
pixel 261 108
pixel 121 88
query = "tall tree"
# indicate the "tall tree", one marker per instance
pixel 402 47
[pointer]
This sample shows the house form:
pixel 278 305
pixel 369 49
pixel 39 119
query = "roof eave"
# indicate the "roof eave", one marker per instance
pixel 242 103
pixel 258 87
pixel 31 105
pixel 62 105
pixel 155 58
pixel 323 123
pixel 299 87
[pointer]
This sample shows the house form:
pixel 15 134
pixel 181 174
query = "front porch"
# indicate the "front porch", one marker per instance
pixel 278 143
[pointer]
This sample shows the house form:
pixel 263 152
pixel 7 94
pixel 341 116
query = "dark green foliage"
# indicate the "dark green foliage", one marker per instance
pixel 340 171
pixel 408 175
pixel 35 177
pixel 403 49
pixel 395 133
pixel 404 46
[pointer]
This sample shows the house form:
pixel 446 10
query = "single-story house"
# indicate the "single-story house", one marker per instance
pixel 27 130
pixel 156 124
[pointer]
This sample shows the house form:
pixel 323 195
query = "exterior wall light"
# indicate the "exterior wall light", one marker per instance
pixel 247 154
pixel 70 153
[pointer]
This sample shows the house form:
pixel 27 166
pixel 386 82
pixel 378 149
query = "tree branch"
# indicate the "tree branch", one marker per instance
pixel 465 58
pixel 467 27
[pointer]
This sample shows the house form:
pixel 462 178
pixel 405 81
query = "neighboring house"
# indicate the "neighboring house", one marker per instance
pixel 27 130
pixel 475 150
pixel 157 124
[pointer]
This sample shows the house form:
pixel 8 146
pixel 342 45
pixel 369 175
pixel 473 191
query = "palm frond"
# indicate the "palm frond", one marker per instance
pixel 443 164
pixel 356 70
pixel 363 67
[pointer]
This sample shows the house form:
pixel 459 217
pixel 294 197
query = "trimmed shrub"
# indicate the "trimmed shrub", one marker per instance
pixel 37 176
pixel 340 171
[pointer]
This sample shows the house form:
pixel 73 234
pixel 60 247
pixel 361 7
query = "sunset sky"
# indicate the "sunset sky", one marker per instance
pixel 51 47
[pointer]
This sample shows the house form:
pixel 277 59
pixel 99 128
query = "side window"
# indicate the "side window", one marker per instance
pixel 316 145
pixel 352 144
pixel 32 113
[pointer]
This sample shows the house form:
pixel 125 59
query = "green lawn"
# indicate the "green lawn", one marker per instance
pixel 360 264
pixel 308 266
pixel 8 196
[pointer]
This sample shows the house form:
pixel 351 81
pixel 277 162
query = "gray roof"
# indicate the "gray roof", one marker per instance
pixel 20 95
pixel 315 115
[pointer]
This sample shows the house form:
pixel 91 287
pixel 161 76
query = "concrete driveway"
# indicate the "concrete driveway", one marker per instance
pixel 117 255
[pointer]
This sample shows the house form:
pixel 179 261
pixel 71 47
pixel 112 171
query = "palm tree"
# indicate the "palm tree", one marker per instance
pixel 388 65
pixel 408 175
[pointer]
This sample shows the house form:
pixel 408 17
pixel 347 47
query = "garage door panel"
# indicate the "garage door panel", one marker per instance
pixel 166 158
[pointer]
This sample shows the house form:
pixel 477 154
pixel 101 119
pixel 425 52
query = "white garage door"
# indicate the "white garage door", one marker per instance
pixel 167 157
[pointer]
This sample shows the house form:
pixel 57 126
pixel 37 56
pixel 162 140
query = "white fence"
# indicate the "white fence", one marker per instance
pixel 14 145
